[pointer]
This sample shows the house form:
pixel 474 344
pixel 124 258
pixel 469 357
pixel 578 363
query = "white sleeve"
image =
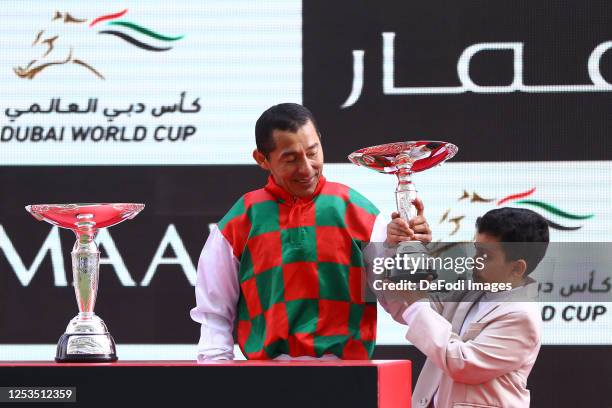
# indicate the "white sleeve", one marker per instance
pixel 217 292
pixel 377 248
pixel 379 231
pixel 411 311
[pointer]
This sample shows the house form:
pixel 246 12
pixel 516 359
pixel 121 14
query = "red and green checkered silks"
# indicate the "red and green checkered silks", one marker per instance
pixel 302 278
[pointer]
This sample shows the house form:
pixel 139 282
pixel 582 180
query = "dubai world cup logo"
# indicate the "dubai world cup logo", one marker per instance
pixel 57 41
pixel 557 217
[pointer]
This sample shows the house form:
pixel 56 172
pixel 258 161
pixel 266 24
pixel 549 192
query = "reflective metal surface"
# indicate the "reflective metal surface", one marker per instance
pixel 403 159
pixel 86 337
pixel 413 156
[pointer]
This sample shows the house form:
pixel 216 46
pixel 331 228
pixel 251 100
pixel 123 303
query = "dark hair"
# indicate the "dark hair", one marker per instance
pixel 285 116
pixel 523 233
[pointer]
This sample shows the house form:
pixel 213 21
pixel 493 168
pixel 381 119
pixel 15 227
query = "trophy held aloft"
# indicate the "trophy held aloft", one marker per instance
pixel 403 159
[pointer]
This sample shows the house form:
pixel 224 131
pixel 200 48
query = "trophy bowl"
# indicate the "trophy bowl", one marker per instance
pixel 403 159
pixel 87 338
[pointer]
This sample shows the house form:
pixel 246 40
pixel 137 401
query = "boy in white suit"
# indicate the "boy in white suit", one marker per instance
pixel 481 346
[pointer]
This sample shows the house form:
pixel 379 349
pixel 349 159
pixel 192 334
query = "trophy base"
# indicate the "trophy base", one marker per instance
pixel 70 348
pixel 86 340
pixel 416 254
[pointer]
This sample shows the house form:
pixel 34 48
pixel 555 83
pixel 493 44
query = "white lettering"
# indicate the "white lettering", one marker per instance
pixel 599 84
pixel 357 78
pixel 171 238
pixel 114 258
pixel 52 244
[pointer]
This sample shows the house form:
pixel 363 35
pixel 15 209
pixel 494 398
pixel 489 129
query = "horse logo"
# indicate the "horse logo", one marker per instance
pixel 455 218
pixel 57 50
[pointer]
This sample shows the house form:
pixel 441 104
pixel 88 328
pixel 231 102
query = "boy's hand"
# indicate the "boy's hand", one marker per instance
pixel 417 229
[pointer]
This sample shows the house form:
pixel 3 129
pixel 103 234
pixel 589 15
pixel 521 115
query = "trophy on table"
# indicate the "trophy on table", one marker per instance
pixel 86 338
pixel 403 159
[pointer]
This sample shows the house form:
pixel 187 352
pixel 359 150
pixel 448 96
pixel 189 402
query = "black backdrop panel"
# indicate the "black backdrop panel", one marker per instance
pixel 557 38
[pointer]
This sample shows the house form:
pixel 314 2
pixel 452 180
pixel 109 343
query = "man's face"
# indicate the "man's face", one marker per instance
pixel 296 163
pixel 496 267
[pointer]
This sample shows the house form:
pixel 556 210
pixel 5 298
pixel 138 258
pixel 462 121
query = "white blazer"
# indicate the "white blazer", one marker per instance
pixel 486 367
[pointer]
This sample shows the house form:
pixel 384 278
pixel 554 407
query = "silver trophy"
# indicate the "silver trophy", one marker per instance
pixel 403 159
pixel 86 339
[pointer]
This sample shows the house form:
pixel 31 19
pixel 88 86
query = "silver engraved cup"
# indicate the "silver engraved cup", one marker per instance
pixel 86 338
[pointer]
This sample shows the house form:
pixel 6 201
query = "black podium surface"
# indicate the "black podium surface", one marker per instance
pixel 385 384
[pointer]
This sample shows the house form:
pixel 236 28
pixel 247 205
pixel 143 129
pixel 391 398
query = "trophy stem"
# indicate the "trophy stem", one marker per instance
pixel 85 270
pixel 405 193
